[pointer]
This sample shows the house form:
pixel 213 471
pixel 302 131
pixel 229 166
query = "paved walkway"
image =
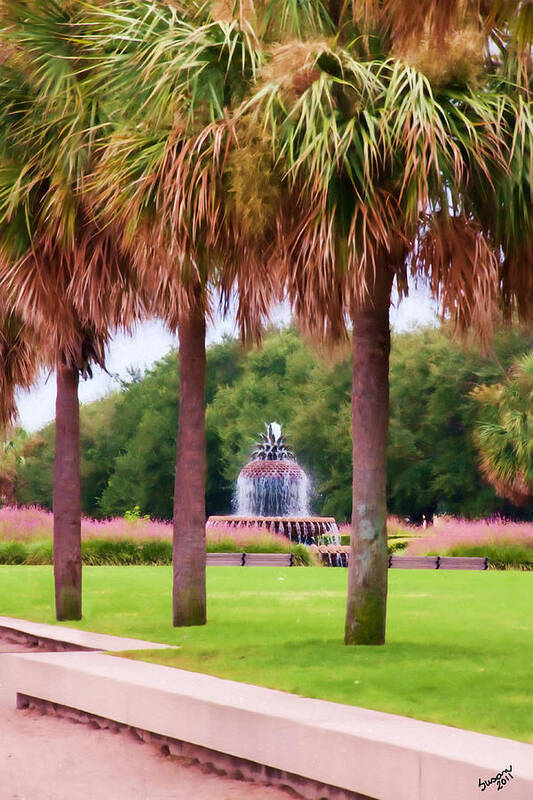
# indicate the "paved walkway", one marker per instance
pixel 47 758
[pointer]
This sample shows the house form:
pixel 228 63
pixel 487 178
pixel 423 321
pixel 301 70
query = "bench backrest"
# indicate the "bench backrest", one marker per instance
pixel 224 559
pixel 413 562
pixel 463 562
pixel 269 560
pixel 250 559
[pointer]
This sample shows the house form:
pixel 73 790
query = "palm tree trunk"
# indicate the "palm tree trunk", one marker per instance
pixel 189 597
pixel 367 575
pixel 67 501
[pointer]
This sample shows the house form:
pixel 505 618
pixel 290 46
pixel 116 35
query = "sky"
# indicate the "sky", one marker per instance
pixel 151 341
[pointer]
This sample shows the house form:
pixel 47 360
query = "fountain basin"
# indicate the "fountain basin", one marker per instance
pixel 301 529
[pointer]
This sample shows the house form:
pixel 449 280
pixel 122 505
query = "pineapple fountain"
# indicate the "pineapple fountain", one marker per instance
pixel 273 492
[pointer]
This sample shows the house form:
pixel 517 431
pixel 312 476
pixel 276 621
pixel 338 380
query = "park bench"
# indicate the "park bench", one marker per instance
pixel 328 555
pixel 438 562
pixel 250 559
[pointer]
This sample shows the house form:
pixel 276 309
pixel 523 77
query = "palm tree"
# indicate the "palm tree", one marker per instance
pixel 159 178
pixel 397 164
pixel 323 143
pixel 63 274
pixel 504 432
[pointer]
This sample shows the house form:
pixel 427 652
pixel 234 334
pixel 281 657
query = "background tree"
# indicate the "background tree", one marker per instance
pixel 432 457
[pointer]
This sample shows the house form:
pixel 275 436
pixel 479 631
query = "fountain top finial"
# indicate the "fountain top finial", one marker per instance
pixel 271 445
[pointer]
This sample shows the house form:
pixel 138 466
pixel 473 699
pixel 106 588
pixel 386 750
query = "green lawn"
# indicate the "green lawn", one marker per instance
pixel 459 645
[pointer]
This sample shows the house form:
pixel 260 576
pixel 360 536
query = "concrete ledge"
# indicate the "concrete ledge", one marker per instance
pixel 76 639
pixel 367 752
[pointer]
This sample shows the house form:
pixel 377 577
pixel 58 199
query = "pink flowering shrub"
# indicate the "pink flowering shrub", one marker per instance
pixel 31 523
pixel 25 524
pixel 446 533
pixel 120 528
pixel 395 527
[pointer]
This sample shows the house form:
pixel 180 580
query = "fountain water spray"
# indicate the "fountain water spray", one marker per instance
pixel 272 484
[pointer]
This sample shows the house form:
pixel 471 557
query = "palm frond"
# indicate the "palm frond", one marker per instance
pixel 63 272
pixel 504 432
pixel 19 362
pixel 462 270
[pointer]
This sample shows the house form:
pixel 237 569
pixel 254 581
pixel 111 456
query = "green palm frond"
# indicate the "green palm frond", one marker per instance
pixel 161 63
pixel 504 433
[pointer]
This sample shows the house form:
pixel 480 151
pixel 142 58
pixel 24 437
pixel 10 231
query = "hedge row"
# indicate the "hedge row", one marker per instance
pixel 125 552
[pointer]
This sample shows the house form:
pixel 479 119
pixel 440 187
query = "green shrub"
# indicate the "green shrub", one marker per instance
pixel 96 552
pixel 395 547
pixel 156 551
pixel 39 552
pixel 13 553
pixel 303 557
pixel 134 514
pixel 501 556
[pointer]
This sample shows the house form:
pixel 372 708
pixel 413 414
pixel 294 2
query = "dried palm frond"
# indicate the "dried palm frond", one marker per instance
pixel 19 362
pixel 462 54
pixel 329 274
pixel 72 296
pixel 462 268
pixel 292 66
pixel 251 272
pixel 517 285
pixel 229 10
pixel 405 20
pixel 37 286
pixel 171 283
